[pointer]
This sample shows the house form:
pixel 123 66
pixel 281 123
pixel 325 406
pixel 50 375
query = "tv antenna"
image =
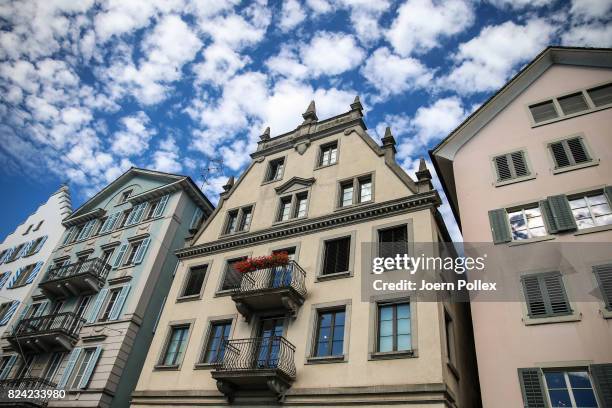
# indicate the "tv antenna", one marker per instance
pixel 213 169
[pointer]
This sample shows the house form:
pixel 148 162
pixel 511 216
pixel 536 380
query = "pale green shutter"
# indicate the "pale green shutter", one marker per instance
pixel 90 367
pixel 608 192
pixel 72 359
pixel 120 255
pixel 547 215
pixel 95 309
pixel 562 212
pixel 499 226
pixel 142 250
pixel 161 206
pixel 603 274
pixel 602 379
pixel 9 366
pixel 118 306
pixel 532 388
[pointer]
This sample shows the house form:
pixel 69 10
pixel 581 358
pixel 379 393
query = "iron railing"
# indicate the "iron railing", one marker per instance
pixel 66 322
pixel 287 276
pixel 94 266
pixel 261 353
pixel 33 384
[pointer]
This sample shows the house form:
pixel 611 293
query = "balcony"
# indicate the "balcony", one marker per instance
pixel 276 288
pixel 40 399
pixel 58 332
pixel 75 279
pixel 255 364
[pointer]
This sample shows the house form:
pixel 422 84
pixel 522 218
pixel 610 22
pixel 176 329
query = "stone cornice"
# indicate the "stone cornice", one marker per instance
pixel 97 213
pixel 350 216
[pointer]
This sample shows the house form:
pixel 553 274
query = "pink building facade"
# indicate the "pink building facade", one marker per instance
pixel 532 167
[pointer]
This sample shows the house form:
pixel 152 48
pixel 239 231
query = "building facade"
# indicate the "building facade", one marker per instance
pixel 532 169
pixel 88 325
pixel 23 255
pixel 300 333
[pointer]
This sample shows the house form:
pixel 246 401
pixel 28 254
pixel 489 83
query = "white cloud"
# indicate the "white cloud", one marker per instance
pixel 220 64
pixel 166 158
pixel 485 62
pixel 391 74
pixel 520 4
pixel 286 63
pixel 588 35
pixel 331 54
pixel 421 25
pixel 291 15
pixel 134 137
pixel 234 31
pixel 587 10
pixel 319 6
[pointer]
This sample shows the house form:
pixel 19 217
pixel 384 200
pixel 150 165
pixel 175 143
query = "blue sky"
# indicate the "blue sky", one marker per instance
pixel 89 88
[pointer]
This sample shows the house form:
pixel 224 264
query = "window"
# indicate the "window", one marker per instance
pixel 346 196
pixel 510 166
pixel 602 95
pixel 570 388
pixel 110 303
pixel 293 206
pixel 103 221
pixel 591 210
pixel 24 276
pixel 4 308
pixel 195 279
pixel 5 366
pixel 27 231
pixel 526 223
pixel 124 196
pixel 569 152
pixel 85 358
pixel 106 256
pixel 40 223
pixel 275 169
pixel 393 241
pixel 124 218
pixel 82 306
pixel 52 366
pixel 336 255
pixel 176 345
pixel 215 346
pixel 361 185
pixel 393 332
pixel 239 220
pixel 573 103
pixel 330 333
pixel 133 249
pixel 545 295
pixel 544 111
pixel 232 277
pixel 3 278
pixel 15 254
pixel 603 273
pixel 136 252
pixel 329 154
pixel 450 339
pixel 24 366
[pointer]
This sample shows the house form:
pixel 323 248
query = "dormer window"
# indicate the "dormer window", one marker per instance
pixel 275 169
pixel 239 220
pixel 124 196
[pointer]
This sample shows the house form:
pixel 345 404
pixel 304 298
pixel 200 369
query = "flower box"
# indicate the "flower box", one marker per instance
pixel 262 262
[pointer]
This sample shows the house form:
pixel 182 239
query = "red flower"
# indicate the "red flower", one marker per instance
pixel 262 262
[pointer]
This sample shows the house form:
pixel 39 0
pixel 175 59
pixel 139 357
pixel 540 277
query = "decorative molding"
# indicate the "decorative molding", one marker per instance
pixel 300 227
pixel 292 181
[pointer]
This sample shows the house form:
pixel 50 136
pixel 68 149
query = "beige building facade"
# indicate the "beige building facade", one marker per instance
pixel 531 169
pixel 301 334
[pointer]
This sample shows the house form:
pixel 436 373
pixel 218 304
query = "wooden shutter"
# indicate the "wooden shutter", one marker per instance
pixel 90 367
pixel 578 150
pixel 95 308
pixel 602 380
pixel 601 95
pixel 9 313
pixel 72 359
pixel 604 279
pixel 545 295
pixel 519 163
pixel 118 306
pixel 120 255
pixel 40 245
pixel 15 277
pixel 532 388
pixel 549 219
pixel 573 103
pixel 9 366
pixel 142 250
pixel 559 154
pixel 499 226
pixel 502 167
pixel 562 212
pixel 161 206
pixel 3 278
pixel 34 272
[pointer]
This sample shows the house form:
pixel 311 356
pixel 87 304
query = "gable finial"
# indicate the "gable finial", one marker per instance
pixel 388 141
pixel 423 176
pixel 311 113
pixel 356 105
pixel 265 135
pixel 229 184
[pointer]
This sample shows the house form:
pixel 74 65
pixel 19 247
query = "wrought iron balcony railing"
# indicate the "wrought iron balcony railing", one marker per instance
pixel 94 266
pixel 58 332
pixel 33 398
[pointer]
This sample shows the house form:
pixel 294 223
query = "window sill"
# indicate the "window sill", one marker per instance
pixel 232 234
pixel 167 368
pixel 271 181
pixel 325 166
pixel 188 298
pixel 389 355
pixel 348 207
pixel 221 293
pixel 333 276
pixel 204 366
pixel 591 230
pixel 574 317
pixel 531 240
pixel 576 167
pixel 326 360
pixel 514 180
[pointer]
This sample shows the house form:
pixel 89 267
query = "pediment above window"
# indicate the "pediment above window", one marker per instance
pixel 294 184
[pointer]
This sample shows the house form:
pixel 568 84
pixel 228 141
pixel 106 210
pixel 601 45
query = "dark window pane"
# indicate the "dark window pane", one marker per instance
pixel 336 256
pixel 543 111
pixel 195 280
pixel 573 103
pixel 601 95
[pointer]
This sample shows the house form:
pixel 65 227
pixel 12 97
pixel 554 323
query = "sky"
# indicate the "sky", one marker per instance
pixel 90 88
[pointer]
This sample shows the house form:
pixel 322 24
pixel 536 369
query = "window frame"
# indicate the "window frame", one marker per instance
pixel 107 306
pixel 321 152
pixel 395 334
pixel 225 265
pixel 514 179
pixel 560 115
pixel 206 339
pixel 268 176
pixel 182 296
pixel 293 200
pixel 316 309
pixel 355 182
pixel 168 337
pixel 568 387
pixel 321 277
pixel 240 214
pixel 522 209
pixel 594 159
pixel 585 196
